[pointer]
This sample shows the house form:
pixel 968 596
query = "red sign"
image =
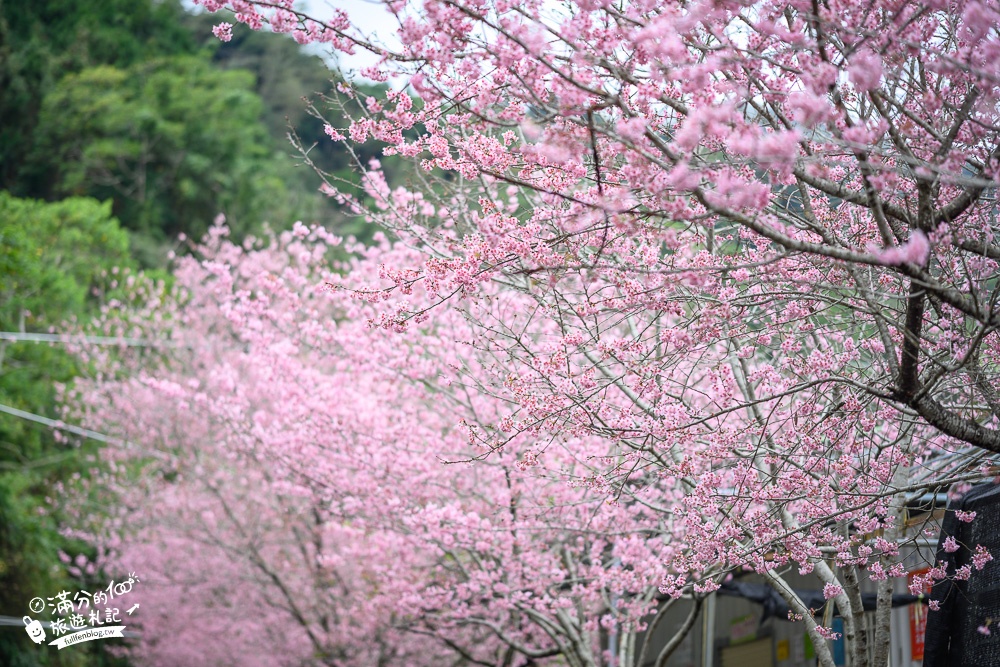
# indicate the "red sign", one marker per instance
pixel 918 619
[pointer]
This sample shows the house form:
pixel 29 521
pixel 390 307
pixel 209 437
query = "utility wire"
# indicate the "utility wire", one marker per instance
pixel 54 423
pixel 85 432
pixel 18 336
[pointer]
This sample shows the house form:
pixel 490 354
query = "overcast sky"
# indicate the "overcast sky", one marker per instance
pixel 369 15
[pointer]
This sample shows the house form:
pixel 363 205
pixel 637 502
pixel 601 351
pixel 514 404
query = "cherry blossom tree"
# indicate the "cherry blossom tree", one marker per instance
pixel 737 260
pixel 305 489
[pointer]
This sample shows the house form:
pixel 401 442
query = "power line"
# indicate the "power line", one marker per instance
pixel 54 423
pixel 85 432
pixel 19 336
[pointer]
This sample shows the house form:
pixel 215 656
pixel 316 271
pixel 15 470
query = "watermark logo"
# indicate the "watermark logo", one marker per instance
pixel 88 635
pixel 82 617
pixel 34 630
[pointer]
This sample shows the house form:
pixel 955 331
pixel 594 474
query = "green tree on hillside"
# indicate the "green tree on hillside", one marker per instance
pixel 170 142
pixel 56 262
pixel 43 40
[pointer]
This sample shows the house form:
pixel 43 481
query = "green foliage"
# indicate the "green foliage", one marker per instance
pixel 55 262
pixel 170 142
pixel 42 40
pixel 137 102
pixel 51 256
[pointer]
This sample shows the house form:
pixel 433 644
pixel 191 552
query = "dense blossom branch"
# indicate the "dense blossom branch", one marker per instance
pixel 726 265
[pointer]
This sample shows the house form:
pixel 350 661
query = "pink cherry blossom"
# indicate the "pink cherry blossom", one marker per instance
pixel 224 31
pixel 741 339
pixel 915 251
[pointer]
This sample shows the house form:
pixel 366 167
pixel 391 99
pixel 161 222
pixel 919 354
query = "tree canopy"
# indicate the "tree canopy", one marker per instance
pixel 168 141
